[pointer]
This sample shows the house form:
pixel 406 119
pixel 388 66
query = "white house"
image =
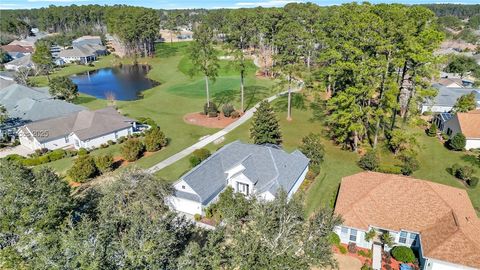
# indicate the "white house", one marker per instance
pixel 24 61
pixel 84 129
pixel 437 221
pixel 82 53
pixel 467 123
pixel 447 97
pixel 254 170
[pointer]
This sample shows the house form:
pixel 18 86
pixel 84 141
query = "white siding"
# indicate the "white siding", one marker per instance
pixel 185 206
pixel 345 232
pixel 183 186
pixel 96 142
pixel 432 264
pixel 472 144
pixel 435 108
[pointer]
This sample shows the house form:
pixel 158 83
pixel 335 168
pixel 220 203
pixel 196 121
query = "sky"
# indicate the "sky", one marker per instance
pixel 209 4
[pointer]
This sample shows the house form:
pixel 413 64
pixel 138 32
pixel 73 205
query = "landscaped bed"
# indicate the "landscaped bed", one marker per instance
pixel 203 120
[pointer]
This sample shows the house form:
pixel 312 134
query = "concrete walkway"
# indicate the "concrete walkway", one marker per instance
pixel 211 138
pixel 19 150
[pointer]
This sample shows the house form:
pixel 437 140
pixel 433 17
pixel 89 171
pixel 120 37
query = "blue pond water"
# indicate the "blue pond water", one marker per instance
pixel 124 82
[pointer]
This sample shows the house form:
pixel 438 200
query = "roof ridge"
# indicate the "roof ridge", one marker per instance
pixel 274 165
pixel 450 236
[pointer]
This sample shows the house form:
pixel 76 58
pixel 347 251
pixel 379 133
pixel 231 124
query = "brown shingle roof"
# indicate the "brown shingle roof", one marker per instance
pixel 470 123
pixel 443 215
pixel 17 48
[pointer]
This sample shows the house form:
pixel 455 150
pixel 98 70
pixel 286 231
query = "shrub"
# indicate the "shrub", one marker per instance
pixel 235 114
pixel 369 161
pixel 432 131
pixel 227 110
pixel 207 109
pixel 104 145
pixel 342 249
pixel 366 267
pixel 147 121
pixel 366 254
pixel 110 142
pixel 82 152
pixel 352 248
pixel 403 254
pixel 14 157
pixel 313 148
pixel 57 154
pixel 155 139
pixel 473 182
pixel 457 142
pixel 132 149
pixel 409 164
pixel 83 168
pixel 31 162
pixel 334 239
pixel 198 156
pixel 121 139
pixel 462 172
pixel 212 114
pixel 197 217
pixel 104 163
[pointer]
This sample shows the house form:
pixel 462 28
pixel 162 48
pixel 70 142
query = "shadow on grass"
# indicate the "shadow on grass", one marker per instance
pixel 298 102
pixel 227 96
pixel 83 99
pixel 474 160
pixel 164 50
pixel 254 94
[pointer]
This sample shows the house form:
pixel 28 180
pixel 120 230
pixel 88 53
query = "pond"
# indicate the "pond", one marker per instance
pixel 124 82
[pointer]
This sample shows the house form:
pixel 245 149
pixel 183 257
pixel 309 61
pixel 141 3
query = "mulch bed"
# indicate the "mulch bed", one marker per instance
pixel 199 119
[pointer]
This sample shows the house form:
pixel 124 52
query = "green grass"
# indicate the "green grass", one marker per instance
pixel 167 103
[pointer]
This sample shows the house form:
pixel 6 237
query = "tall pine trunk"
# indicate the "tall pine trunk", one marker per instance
pixel 208 93
pixel 402 79
pixel 242 89
pixel 289 109
pixel 382 90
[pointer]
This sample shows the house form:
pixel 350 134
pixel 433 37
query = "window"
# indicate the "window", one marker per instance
pixel 403 237
pixel 242 188
pixel 183 187
pixel 449 132
pixel 413 238
pixel 353 235
pixel 344 231
pixel 116 135
pixel 67 139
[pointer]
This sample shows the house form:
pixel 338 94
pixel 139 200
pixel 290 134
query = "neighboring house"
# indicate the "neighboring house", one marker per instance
pixel 90 40
pixel 25 104
pixel 17 51
pixel 84 53
pixel 25 61
pixel 254 170
pixel 55 50
pixel 466 123
pixel 451 82
pixel 447 97
pixel 84 129
pixel 437 221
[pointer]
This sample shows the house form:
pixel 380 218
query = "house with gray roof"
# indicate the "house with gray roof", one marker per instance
pixel 447 97
pixel 26 104
pixel 82 53
pixel 254 170
pixel 83 129
pixel 24 61
pixel 92 40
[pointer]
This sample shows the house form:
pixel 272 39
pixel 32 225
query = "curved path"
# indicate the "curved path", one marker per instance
pixel 211 138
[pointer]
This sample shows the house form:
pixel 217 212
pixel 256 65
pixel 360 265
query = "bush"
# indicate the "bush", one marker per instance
pixel 235 114
pixel 82 152
pixel 57 154
pixel 366 267
pixel 147 121
pixel 473 182
pixel 110 142
pixel 14 157
pixel 352 248
pixel 132 150
pixel 121 139
pixel 212 114
pixel 409 164
pixel 104 163
pixel 197 217
pixel 369 161
pixel 227 110
pixel 83 169
pixel 457 142
pixel 212 108
pixel 342 249
pixel 313 148
pixel 366 254
pixel 462 172
pixel 155 139
pixel 403 254
pixel 334 239
pixel 432 131
pixel 198 156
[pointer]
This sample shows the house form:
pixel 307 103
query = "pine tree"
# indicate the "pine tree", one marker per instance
pixel 432 131
pixel 265 127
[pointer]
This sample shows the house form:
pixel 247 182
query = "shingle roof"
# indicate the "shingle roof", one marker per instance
pixel 443 215
pixel 17 48
pixel 447 96
pixel 24 61
pixel 470 124
pixel 79 51
pixel 25 104
pixel 85 124
pixel 267 167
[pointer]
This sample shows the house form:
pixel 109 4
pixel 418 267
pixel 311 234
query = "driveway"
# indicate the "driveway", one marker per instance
pixel 19 150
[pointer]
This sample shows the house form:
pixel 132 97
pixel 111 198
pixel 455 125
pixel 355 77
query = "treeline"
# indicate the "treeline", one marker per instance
pixel 136 27
pixel 457 10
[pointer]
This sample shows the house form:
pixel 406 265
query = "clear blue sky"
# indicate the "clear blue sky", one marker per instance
pixel 172 4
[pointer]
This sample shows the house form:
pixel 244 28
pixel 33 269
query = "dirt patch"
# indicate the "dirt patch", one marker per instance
pixel 199 119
